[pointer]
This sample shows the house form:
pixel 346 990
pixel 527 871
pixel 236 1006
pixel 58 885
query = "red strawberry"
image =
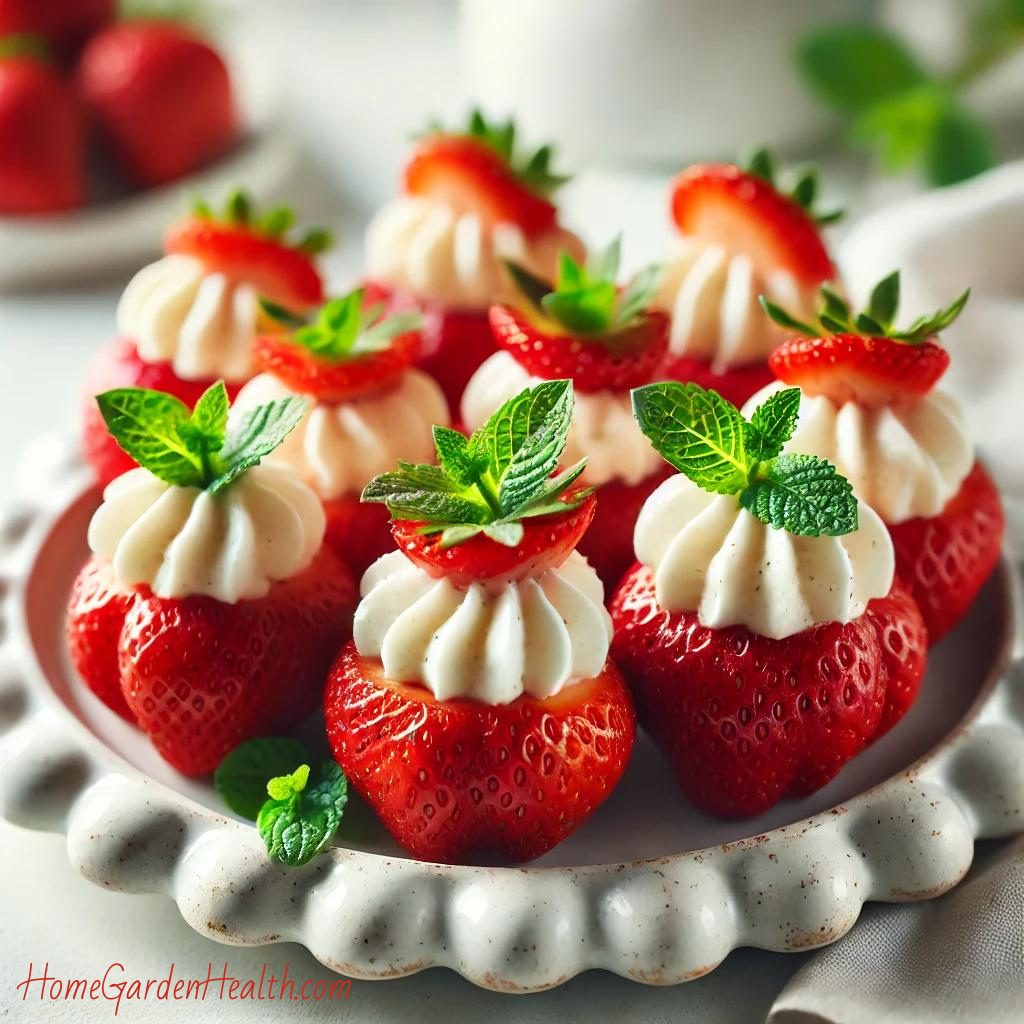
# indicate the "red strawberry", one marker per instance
pixel 870 370
pixel 42 136
pixel 201 676
pixel 547 542
pixel 160 96
pixel 945 559
pixel 118 366
pixel 617 361
pixel 608 542
pixel 357 532
pixel 743 212
pixel 64 24
pixel 95 615
pixel 469 176
pixel 736 384
pixel 452 777
pixel 746 720
pixel 282 273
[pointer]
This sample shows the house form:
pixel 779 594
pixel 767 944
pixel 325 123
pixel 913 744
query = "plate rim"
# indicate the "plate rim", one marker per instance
pixel 658 920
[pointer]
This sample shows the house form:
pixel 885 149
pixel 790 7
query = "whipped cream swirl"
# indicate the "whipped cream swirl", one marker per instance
pixel 202 323
pixel 603 428
pixel 184 542
pixel 711 295
pixel 710 556
pixel 905 460
pixel 489 642
pixel 338 448
pixel 455 258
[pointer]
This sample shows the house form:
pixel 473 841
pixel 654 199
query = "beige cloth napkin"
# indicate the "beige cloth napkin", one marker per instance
pixel 958 959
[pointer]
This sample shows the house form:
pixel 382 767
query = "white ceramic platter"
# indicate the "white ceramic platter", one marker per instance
pixel 648 888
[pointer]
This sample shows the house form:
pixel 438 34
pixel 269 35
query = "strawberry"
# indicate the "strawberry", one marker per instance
pixel 200 674
pixel 746 720
pixel 356 532
pixel 96 613
pixel 161 98
pixel 350 349
pixel 608 542
pixel 546 542
pixel 743 210
pixel 478 170
pixel 64 24
pixel 449 778
pixel 118 366
pixel 863 358
pixel 735 384
pixel 945 559
pixel 42 136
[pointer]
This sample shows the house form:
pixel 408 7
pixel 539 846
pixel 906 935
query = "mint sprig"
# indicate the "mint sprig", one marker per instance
pixel 802 186
pixel 276 223
pixel 707 439
pixel 299 821
pixel 241 778
pixel 200 447
pixel 344 328
pixel 585 298
pixel 489 482
pixel 532 168
pixel 877 321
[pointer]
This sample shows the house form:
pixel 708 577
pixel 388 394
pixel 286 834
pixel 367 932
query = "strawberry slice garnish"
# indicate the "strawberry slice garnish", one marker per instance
pixel 478 171
pixel 863 358
pixel 743 210
pixel 585 326
pixel 254 249
pixel 494 507
pixel 546 543
pixel 347 350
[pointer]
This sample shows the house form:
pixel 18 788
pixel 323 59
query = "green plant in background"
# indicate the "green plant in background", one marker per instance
pixel 898 109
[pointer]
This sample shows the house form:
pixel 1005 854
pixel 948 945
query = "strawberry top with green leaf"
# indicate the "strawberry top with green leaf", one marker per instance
pixel 585 326
pixel 259 248
pixel 708 440
pixel 198 447
pixel 494 507
pixel 346 349
pixel 745 208
pixel 863 357
pixel 480 169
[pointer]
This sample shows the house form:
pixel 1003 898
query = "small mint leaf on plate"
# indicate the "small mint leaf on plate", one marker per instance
pixel 241 778
pixel 298 822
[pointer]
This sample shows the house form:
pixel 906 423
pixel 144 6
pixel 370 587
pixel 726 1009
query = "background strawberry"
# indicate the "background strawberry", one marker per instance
pixel 42 137
pixel 449 778
pixel 64 24
pixel 159 96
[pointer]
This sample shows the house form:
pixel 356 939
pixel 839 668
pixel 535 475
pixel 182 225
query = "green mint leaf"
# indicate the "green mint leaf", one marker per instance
pixel 773 423
pixel 603 264
pixel 698 432
pixel 282 315
pixel 531 287
pixel 784 319
pixel 210 416
pixel 536 458
pixel 961 146
pixel 452 535
pixel 455 456
pixel 257 433
pixel 241 778
pixel 509 534
pixel 900 130
pixel 300 823
pixel 509 426
pixel 803 495
pixel 425 493
pixel 885 299
pixel 637 296
pixel 544 501
pixel 146 424
pixel 852 67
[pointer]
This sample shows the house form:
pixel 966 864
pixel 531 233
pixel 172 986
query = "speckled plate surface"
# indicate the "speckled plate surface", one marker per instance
pixel 648 888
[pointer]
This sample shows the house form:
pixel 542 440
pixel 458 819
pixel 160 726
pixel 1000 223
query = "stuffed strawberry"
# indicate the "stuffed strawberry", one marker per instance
pixel 369 408
pixel 762 634
pixel 159 97
pixel 608 341
pixel 64 24
pixel 192 317
pixel 476 708
pixel 42 134
pixel 741 236
pixel 470 199
pixel 210 611
pixel 872 408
